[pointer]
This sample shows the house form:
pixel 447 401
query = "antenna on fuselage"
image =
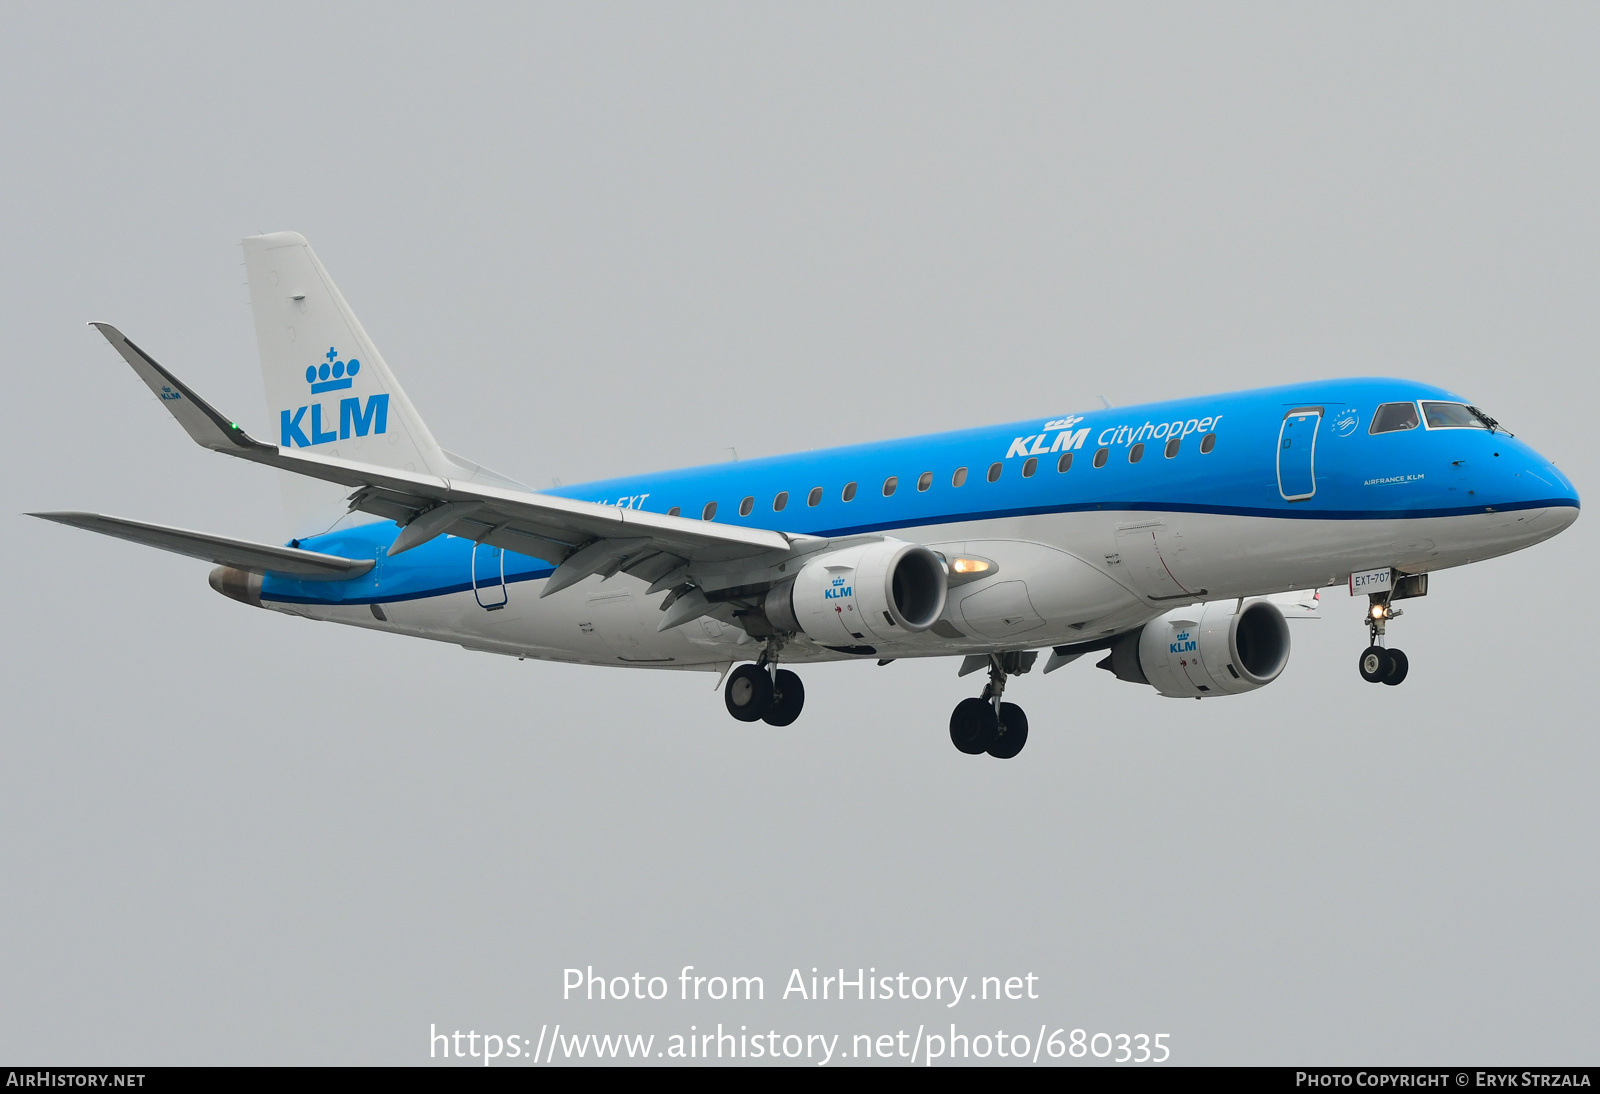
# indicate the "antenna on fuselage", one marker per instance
pixel 1104 401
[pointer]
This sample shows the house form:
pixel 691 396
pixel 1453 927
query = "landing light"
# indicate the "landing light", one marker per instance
pixel 969 566
pixel 1377 611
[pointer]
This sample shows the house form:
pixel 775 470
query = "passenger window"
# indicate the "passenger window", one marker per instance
pixel 1208 442
pixel 1029 467
pixel 849 491
pixel 890 484
pixel 1136 453
pixel 815 497
pixel 1173 446
pixel 1101 456
pixel 959 478
pixel 780 501
pixel 994 472
pixel 1065 462
pixel 709 511
pixel 747 506
pixel 1393 417
pixel 1452 416
pixel 925 480
pixel 675 510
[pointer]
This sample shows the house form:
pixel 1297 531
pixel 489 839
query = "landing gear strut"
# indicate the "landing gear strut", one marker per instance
pixel 1378 664
pixel 985 724
pixel 763 692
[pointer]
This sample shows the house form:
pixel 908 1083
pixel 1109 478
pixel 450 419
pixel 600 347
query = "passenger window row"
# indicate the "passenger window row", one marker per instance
pixel 1030 467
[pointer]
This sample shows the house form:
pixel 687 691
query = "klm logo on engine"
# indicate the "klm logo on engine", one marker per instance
pixel 1183 642
pixel 354 418
pixel 838 590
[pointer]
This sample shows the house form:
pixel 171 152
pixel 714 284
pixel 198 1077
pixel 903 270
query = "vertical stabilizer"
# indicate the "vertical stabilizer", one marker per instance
pixel 328 389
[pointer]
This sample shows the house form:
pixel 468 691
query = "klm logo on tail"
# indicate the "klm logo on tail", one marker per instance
pixel 333 375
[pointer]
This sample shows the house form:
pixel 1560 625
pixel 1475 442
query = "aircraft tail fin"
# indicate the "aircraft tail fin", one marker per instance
pixel 328 388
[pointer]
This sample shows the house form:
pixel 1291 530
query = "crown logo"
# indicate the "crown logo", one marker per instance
pixel 333 374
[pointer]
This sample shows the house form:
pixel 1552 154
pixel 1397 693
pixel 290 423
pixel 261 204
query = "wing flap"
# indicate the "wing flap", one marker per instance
pixel 240 554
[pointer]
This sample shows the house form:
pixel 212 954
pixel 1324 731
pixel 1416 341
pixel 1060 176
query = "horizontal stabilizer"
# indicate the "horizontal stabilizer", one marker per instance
pixel 241 554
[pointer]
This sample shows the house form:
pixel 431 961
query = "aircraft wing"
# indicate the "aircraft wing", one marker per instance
pixel 582 537
pixel 241 554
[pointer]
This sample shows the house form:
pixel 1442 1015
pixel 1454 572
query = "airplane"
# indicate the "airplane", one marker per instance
pixel 1175 538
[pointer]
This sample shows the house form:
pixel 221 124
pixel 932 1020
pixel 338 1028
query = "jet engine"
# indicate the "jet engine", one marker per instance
pixel 858 595
pixel 1220 648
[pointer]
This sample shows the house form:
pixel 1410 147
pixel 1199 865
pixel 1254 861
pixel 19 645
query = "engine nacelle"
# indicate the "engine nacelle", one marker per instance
pixel 1205 649
pixel 859 595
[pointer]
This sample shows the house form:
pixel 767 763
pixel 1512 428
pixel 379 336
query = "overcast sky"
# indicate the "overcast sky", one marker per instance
pixel 593 240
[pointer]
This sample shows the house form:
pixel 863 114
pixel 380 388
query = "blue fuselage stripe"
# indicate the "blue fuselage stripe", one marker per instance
pixel 1353 475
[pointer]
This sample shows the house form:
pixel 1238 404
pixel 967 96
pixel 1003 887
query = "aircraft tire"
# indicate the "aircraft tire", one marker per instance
pixel 973 726
pixel 1399 665
pixel 1374 664
pixel 787 699
pixel 748 693
pixel 1012 733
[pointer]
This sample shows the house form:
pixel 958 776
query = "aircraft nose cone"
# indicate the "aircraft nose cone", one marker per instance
pixel 1565 493
pixel 1558 492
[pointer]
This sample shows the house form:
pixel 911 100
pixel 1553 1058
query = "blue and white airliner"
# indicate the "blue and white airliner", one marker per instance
pixel 1175 538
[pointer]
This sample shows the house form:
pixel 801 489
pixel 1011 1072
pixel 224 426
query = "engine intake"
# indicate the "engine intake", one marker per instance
pixel 874 591
pixel 1205 649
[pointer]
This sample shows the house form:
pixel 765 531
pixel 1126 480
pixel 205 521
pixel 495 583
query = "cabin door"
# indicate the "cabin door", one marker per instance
pixel 1297 453
pixel 489 576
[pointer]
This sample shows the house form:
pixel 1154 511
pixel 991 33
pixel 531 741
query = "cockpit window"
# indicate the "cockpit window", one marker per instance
pixel 1454 416
pixel 1393 417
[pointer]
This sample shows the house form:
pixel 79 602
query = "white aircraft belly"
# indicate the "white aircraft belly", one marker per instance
pixel 1062 578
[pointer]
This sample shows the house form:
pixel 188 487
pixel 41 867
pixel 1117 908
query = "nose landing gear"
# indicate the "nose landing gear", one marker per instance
pixel 1378 664
pixel 1382 666
pixel 985 724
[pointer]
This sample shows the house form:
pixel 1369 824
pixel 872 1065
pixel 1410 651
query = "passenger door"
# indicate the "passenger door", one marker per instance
pixel 489 576
pixel 1297 453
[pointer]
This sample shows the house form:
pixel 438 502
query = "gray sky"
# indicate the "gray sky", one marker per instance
pixel 600 239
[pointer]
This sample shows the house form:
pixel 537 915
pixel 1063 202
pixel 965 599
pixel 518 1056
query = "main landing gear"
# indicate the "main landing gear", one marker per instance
pixel 765 693
pixel 985 724
pixel 1378 664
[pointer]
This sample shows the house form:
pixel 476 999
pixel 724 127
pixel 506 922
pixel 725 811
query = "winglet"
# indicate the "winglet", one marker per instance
pixel 198 418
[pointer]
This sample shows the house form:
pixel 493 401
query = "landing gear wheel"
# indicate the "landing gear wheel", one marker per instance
pixel 787 698
pixel 1375 663
pixel 974 727
pixel 1012 734
pixel 1399 665
pixel 749 693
